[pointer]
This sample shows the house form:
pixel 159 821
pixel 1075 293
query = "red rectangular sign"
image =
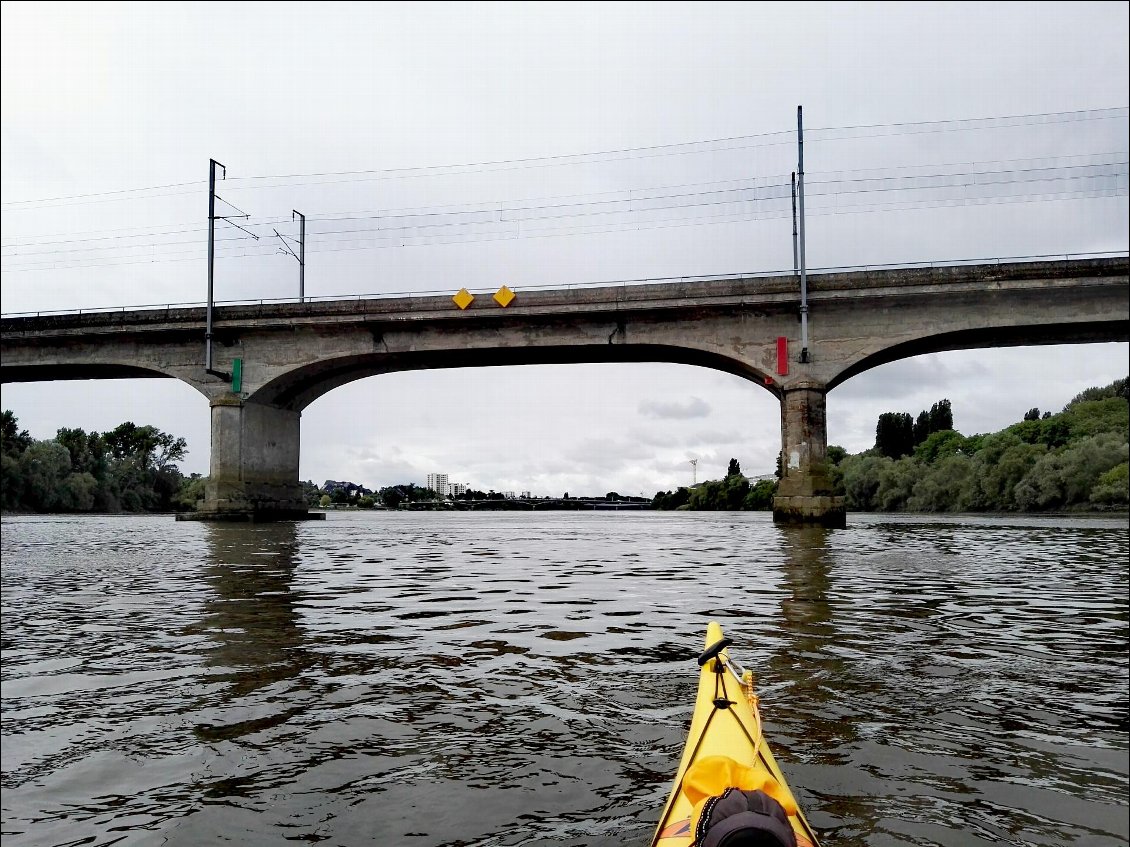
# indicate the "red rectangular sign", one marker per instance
pixel 782 356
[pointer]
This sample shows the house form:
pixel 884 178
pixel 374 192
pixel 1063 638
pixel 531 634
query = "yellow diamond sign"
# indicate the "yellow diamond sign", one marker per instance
pixel 463 298
pixel 503 296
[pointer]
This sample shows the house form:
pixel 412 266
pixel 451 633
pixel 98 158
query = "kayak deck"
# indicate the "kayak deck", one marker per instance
pixel 725 748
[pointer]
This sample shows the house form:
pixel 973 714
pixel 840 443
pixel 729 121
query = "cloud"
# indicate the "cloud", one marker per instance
pixel 695 407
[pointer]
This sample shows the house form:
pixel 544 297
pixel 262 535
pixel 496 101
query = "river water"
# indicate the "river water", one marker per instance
pixel 527 678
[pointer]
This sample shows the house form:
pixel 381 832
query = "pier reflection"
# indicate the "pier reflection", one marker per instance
pixel 251 616
pixel 816 727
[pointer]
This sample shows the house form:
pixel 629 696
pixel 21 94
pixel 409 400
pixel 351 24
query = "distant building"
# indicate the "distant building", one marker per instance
pixel 438 482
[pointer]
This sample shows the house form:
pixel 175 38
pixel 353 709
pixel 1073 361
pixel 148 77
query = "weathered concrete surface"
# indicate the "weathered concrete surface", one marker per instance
pixel 293 353
pixel 253 468
pixel 805 493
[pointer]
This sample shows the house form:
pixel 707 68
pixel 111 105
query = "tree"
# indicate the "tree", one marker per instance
pixel 1066 477
pixel 760 496
pixel 733 469
pixel 44 467
pixel 941 416
pixel 946 442
pixel 894 434
pixel 667 500
pixel 1113 487
pixel 836 453
pixel 1032 414
pixel 921 427
pixel 945 486
pixel 1118 388
pixel 861 481
pixel 13 440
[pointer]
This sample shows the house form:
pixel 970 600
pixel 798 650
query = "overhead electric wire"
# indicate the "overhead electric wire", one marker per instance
pixel 637 202
pixel 875 173
pixel 635 195
pixel 651 151
pixel 254 250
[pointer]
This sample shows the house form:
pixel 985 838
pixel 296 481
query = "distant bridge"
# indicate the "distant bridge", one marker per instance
pixel 288 355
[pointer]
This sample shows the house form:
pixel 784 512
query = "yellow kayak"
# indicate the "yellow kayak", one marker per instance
pixel 728 788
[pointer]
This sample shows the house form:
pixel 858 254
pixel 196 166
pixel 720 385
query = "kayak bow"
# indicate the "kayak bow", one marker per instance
pixel 725 749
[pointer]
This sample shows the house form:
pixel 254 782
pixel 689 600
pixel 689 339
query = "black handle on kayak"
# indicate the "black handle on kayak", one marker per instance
pixel 713 650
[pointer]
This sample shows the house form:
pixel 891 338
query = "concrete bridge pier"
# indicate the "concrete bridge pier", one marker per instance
pixel 805 494
pixel 253 472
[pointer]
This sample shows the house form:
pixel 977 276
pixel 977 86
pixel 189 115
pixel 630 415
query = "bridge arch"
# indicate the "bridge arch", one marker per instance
pixel 988 337
pixel 297 388
pixel 49 372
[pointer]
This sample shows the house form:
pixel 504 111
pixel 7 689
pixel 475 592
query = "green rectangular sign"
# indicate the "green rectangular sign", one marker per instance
pixel 237 375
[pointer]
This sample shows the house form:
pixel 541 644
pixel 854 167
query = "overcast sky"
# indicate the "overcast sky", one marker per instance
pixel 426 120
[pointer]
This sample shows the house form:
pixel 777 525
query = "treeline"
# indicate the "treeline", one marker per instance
pixel 1076 459
pixel 131 468
pixel 333 493
pixel 734 493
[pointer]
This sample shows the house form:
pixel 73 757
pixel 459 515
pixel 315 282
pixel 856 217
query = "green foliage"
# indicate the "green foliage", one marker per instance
pixel 44 466
pixel 1113 487
pixel 894 434
pixel 13 440
pixel 999 466
pixel 1066 477
pixel 190 492
pixel 760 496
pixel 939 444
pixel 945 486
pixel 836 454
pixel 131 468
pixel 1095 416
pixel 733 469
pixel 667 500
pixel 394 495
pixel 311 492
pixel 897 434
pixel 1118 388
pixel 861 475
pixel 1075 459
pixel 896 484
pixel 941 416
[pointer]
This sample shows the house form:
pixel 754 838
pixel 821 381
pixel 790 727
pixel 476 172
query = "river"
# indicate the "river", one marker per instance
pixel 467 679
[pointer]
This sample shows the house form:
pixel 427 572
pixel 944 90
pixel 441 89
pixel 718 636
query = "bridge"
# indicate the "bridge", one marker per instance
pixel 272 360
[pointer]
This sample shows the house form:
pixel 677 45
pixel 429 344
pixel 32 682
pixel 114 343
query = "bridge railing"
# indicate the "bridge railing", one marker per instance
pixel 388 295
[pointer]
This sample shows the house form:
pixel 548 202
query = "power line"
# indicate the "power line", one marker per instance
pixel 580 229
pixel 849 132
pixel 642 199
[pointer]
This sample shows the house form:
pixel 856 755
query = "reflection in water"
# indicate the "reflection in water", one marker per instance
pixel 251 617
pixel 823 683
pixel 491 680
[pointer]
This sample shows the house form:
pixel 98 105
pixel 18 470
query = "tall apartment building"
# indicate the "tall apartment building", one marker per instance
pixel 437 482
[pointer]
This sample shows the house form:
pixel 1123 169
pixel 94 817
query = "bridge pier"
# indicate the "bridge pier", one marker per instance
pixel 253 472
pixel 805 494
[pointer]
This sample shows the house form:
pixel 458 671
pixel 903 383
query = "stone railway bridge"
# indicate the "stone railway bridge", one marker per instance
pixel 290 354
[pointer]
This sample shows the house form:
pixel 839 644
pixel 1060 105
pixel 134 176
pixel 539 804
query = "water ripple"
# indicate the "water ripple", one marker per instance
pixel 522 679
